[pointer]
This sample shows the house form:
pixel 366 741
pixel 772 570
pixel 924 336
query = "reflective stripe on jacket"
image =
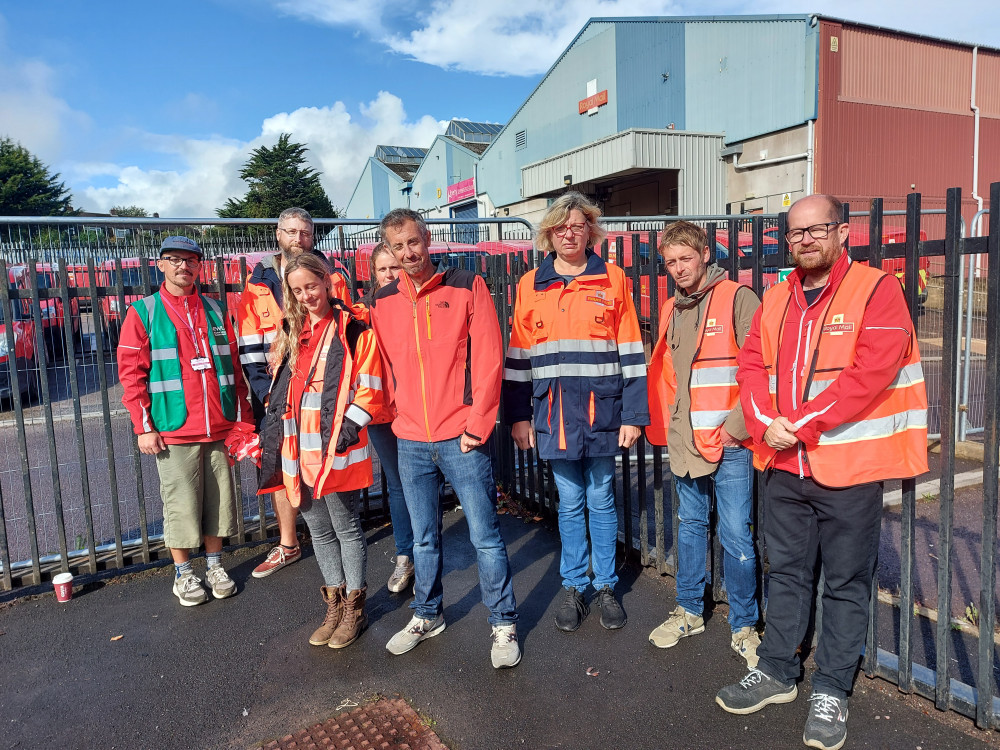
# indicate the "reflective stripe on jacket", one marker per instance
pixel 575 362
pixel 347 382
pixel 713 388
pixel 888 438
pixel 168 406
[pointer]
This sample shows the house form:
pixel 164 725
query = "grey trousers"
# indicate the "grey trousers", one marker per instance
pixel 338 541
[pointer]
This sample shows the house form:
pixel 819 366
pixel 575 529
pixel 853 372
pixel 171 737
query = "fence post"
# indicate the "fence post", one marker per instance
pixel 987 564
pixel 949 382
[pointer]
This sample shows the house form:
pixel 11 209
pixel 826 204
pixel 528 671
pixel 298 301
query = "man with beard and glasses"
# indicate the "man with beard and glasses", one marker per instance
pixel 834 401
pixel 259 318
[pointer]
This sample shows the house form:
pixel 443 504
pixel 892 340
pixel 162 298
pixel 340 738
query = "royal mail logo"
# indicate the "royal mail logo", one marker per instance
pixel 599 299
pixel 712 328
pixel 837 326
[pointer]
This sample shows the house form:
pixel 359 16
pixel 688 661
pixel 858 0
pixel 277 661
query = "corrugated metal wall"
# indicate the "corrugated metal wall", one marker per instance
pixel 646 53
pixel 894 112
pixel 550 117
pixel 747 78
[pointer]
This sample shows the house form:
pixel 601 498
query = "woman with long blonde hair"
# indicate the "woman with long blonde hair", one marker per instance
pixel 326 388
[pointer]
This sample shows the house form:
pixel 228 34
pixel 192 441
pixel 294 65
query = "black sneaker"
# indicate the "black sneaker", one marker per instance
pixel 612 614
pixel 826 727
pixel 753 692
pixel 572 612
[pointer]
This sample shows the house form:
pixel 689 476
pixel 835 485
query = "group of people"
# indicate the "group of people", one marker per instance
pixel 819 387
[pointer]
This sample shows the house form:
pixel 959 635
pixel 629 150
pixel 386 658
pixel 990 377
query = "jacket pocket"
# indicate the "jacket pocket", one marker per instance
pixel 605 407
pixel 541 393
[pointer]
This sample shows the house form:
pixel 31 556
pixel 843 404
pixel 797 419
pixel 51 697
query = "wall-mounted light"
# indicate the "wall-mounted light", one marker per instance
pixel 666 76
pixel 568 180
pixel 506 212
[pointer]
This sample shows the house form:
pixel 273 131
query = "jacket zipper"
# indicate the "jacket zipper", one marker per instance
pixel 204 383
pixel 420 363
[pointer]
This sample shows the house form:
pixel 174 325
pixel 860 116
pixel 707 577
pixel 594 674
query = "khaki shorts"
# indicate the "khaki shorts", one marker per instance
pixel 197 491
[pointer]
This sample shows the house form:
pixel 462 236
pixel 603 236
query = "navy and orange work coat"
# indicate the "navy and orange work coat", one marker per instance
pixel 575 362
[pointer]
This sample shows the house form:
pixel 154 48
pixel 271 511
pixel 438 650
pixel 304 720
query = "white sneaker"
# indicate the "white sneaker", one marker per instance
pixel 189 590
pixel 219 581
pixel 505 651
pixel 416 630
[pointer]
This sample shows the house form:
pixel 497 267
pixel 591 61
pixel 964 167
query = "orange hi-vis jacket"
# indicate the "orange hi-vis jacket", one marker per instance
pixel 714 391
pixel 888 438
pixel 259 316
pixel 575 362
pixel 362 311
pixel 298 441
pixel 442 353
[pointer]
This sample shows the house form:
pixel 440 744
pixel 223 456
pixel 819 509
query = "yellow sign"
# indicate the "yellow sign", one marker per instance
pixel 786 200
pixel 439 192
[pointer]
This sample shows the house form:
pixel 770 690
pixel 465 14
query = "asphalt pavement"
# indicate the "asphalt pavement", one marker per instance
pixel 124 666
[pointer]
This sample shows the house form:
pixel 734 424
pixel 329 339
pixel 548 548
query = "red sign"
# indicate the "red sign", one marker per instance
pixel 461 190
pixel 591 102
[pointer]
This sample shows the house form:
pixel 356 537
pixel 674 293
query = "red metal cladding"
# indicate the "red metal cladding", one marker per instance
pixel 894 117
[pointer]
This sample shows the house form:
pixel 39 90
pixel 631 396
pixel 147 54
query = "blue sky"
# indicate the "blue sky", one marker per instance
pixel 158 104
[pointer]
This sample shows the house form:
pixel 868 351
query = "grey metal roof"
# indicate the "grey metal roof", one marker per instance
pixel 400 154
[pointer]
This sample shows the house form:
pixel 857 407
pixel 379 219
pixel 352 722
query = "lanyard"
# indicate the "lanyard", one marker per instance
pixel 185 318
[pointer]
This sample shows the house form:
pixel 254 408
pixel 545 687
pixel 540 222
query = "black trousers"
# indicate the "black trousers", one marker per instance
pixel 842 526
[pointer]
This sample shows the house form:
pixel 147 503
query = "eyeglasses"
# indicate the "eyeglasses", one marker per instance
pixel 303 233
pixel 816 231
pixel 576 229
pixel 178 262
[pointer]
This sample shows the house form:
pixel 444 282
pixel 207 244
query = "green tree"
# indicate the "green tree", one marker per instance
pixel 136 211
pixel 27 188
pixel 278 178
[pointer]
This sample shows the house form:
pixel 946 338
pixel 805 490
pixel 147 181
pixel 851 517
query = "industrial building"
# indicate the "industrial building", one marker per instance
pixel 741 114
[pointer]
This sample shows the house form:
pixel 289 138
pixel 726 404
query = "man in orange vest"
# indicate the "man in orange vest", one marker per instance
pixel 694 407
pixel 834 399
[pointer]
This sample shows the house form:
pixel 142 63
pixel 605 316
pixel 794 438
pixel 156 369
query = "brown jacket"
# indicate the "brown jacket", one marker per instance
pixel 682 337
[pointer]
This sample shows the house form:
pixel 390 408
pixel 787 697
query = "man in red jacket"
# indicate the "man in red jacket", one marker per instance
pixel 177 362
pixel 834 400
pixel 440 341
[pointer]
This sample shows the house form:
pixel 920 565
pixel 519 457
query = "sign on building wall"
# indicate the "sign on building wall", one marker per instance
pixel 462 190
pixel 594 98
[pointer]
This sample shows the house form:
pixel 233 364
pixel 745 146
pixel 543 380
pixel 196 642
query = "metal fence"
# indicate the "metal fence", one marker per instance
pixel 75 494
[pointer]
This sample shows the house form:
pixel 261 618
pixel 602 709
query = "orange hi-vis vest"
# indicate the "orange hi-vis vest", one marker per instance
pixel 346 381
pixel 714 392
pixel 888 439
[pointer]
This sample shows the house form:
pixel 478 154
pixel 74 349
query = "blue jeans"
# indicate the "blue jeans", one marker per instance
pixel 587 482
pixel 733 482
pixel 384 442
pixel 422 469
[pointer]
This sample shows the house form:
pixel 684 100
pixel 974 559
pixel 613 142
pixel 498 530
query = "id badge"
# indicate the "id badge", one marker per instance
pixel 201 363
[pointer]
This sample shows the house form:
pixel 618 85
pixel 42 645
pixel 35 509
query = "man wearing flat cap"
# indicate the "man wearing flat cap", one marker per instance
pixel 177 362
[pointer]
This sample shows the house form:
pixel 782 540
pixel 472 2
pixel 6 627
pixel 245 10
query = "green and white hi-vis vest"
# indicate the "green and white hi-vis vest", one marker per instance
pixel 166 390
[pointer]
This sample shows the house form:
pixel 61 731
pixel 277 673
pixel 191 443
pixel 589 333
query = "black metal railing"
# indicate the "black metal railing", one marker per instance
pixel 76 495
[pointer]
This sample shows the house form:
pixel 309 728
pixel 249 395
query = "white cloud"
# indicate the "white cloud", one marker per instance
pixel 525 39
pixel 33 114
pixel 339 145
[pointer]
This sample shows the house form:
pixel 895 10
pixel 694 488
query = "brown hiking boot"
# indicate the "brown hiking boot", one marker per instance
pixel 353 621
pixel 334 598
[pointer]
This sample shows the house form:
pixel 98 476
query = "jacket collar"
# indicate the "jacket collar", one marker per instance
pixel 409 290
pixel 837 274
pixel 546 274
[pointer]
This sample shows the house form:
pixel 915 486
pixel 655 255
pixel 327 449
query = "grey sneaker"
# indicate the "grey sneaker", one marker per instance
pixel 680 624
pixel 402 576
pixel 505 651
pixel 745 642
pixel 219 581
pixel 416 630
pixel 826 727
pixel 753 692
pixel 188 589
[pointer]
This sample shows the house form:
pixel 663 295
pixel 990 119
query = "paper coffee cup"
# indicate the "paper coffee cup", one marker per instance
pixel 63 584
